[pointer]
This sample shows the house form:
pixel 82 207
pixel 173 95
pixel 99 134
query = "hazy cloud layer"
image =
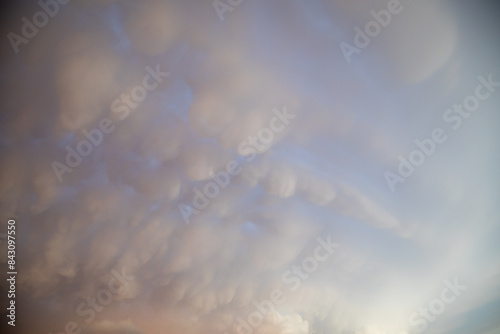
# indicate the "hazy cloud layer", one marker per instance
pixel 323 174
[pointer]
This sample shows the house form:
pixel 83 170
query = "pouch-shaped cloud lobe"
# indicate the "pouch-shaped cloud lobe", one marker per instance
pixel 122 208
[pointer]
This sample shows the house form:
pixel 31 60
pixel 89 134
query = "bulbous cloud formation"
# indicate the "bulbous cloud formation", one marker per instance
pixel 174 172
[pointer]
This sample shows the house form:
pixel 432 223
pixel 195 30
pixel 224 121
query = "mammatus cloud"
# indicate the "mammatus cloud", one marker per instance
pixel 119 117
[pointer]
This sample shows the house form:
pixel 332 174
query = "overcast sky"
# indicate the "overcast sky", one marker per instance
pixel 177 166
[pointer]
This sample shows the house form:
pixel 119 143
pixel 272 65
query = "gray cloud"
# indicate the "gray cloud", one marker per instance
pixel 321 175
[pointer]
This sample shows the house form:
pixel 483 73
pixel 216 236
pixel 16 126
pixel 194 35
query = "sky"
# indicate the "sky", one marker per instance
pixel 250 167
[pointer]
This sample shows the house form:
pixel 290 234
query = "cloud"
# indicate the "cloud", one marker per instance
pixel 320 175
pixel 110 327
